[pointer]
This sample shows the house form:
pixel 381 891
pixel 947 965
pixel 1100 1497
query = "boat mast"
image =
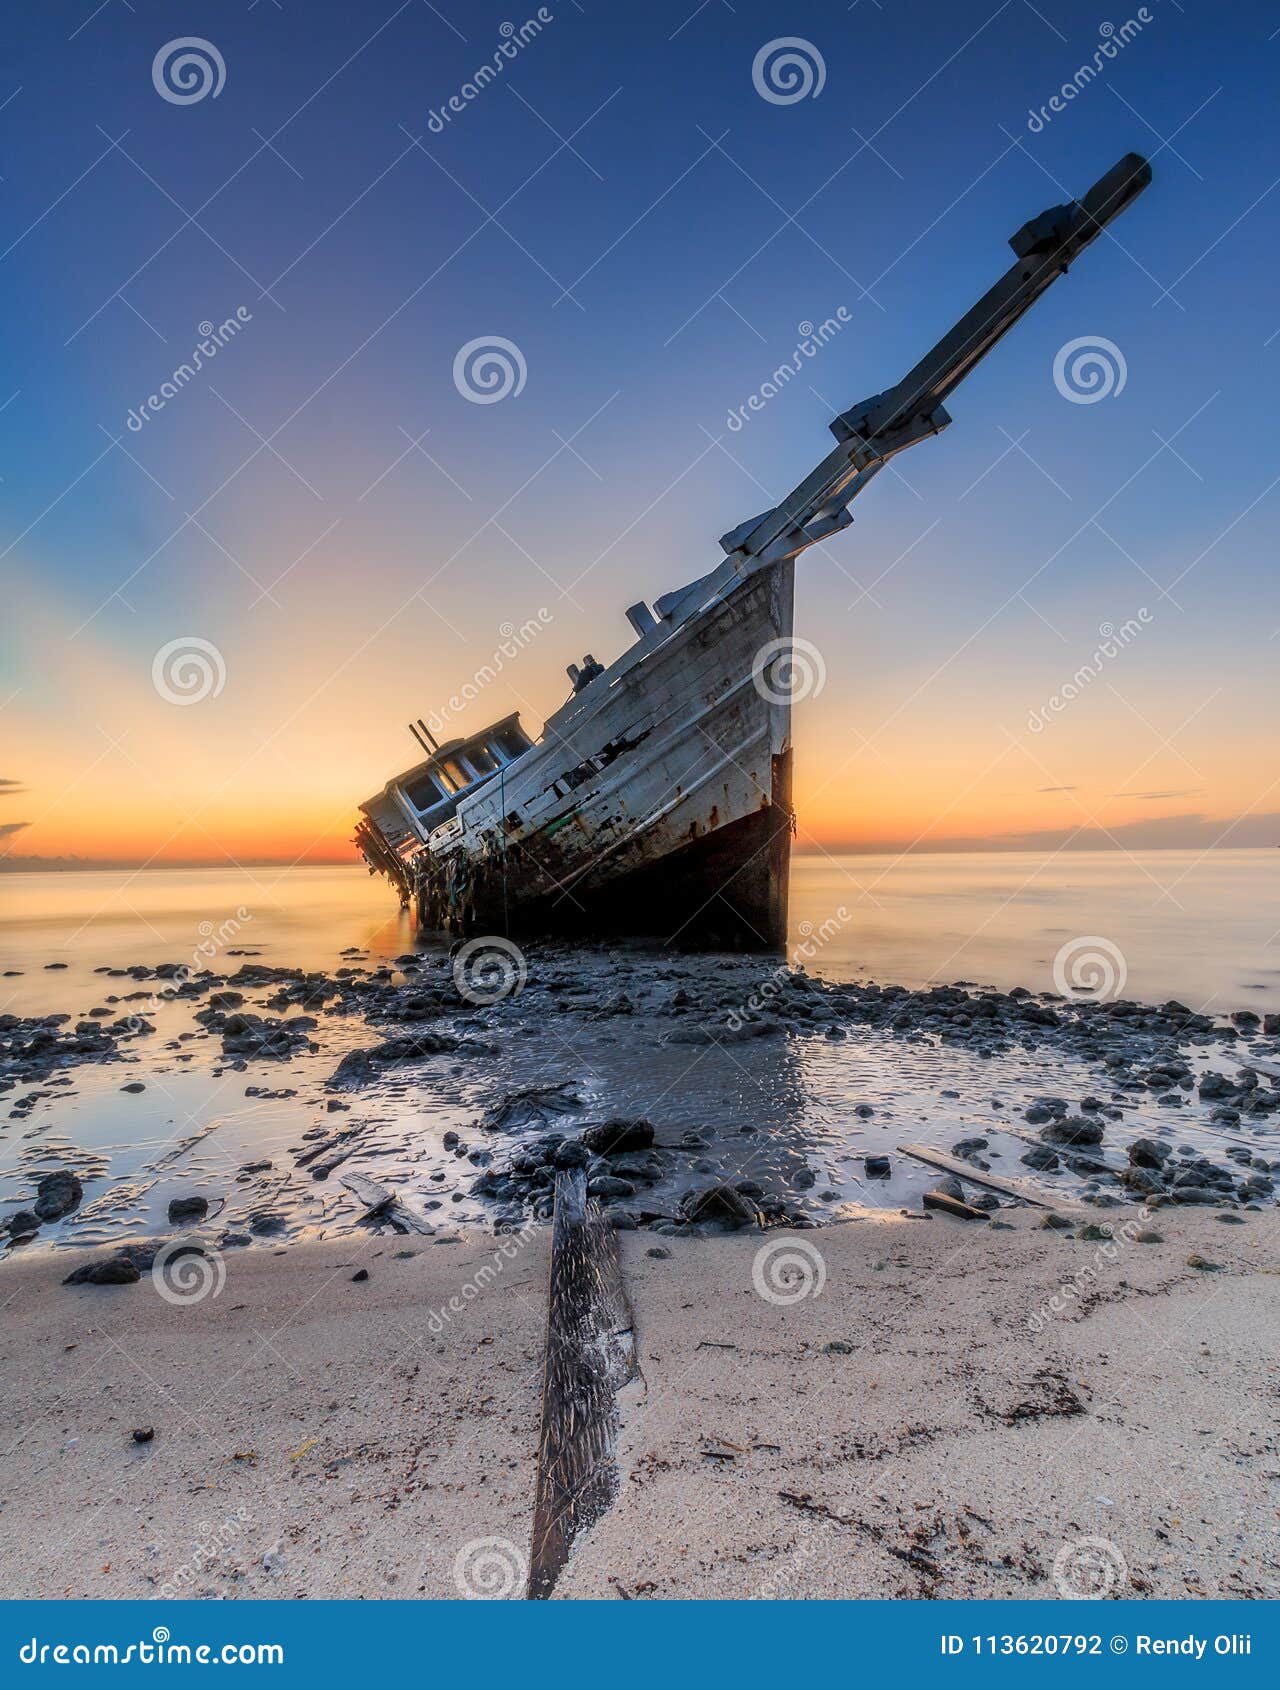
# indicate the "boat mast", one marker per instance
pixel 870 433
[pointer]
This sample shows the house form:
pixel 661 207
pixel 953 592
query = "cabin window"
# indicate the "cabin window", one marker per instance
pixel 424 791
pixel 458 775
pixel 511 743
pixel 481 759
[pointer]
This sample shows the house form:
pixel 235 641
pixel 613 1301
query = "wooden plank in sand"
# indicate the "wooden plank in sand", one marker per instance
pixel 590 1356
pixel 373 1196
pixel 953 1206
pixel 1020 1188
pixel 381 1203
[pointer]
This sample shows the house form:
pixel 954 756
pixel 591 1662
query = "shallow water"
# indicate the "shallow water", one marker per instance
pixel 780 1110
pixel 1203 927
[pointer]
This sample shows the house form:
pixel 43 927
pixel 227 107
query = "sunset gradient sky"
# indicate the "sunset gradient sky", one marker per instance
pixel 324 507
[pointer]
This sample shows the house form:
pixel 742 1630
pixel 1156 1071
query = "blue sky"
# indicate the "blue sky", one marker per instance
pixel 624 206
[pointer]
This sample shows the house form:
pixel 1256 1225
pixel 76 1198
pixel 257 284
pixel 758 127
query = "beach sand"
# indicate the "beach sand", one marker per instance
pixel 315 1436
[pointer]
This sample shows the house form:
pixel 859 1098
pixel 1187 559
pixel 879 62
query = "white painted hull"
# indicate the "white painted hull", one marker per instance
pixel 655 802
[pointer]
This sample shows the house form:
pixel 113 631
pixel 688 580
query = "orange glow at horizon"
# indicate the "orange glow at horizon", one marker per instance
pixel 271 767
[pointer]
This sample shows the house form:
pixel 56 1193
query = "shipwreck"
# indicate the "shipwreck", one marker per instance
pixel 658 799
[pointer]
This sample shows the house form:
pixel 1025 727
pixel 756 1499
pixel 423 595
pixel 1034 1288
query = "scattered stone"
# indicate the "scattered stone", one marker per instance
pixel 659 1252
pixel 1074 1129
pixel 838 1347
pixel 109 1270
pixel 182 1209
pixel 143 1434
pixel 1040 1156
pixel 877 1167
pixel 359 1276
pixel 1051 1222
pixel 721 1203
pixel 571 1153
pixel 606 1186
pixel 1195 1260
pixel 1148 1153
pixel 57 1194
pixel 1148 1236
pixel 614 1137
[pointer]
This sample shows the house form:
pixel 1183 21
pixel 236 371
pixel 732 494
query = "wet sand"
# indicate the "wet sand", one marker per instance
pixel 260 1090
pixel 318 1436
pixel 336 1392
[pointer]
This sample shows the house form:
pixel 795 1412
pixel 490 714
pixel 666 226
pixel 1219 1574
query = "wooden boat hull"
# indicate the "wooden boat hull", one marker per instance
pixel 663 811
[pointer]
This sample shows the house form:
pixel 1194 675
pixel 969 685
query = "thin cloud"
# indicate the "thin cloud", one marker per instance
pixel 1057 789
pixel 1149 797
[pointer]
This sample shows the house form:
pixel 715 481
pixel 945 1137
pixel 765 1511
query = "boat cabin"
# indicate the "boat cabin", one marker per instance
pixel 413 804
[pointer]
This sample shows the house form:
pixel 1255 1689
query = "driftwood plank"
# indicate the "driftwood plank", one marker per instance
pixel 1020 1188
pixel 953 1206
pixel 380 1202
pixel 368 1192
pixel 590 1356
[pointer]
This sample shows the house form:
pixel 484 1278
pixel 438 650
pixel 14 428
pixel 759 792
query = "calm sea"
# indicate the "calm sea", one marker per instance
pixel 1206 930
pixel 1201 927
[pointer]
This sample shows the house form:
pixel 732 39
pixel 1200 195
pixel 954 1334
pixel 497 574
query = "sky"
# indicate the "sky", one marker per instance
pixel 222 610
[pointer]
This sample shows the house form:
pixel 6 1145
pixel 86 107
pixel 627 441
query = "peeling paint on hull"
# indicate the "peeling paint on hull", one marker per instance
pixel 664 812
